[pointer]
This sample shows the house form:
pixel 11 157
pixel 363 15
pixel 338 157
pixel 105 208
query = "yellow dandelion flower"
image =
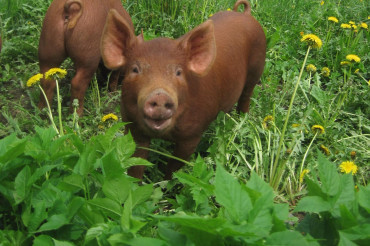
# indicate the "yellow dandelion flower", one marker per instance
pixel 303 173
pixel 364 25
pixel 34 79
pixel 354 27
pixel 318 128
pixel 351 22
pixel 210 15
pixel 357 70
pixel 354 58
pixel 368 82
pixel 325 71
pixel 348 167
pixel 312 40
pixel 228 9
pixel 325 149
pixel 333 19
pixel 345 26
pixel 109 116
pixel 311 68
pixel 267 121
pixel 322 3
pixel 55 72
pixel 295 125
pixel 344 63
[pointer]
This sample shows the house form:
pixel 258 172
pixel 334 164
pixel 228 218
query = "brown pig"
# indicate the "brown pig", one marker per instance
pixel 173 89
pixel 73 28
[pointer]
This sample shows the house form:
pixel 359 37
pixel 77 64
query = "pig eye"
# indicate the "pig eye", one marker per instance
pixel 135 69
pixel 178 72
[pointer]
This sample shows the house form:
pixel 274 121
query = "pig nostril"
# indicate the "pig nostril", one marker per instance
pixel 153 104
pixel 169 105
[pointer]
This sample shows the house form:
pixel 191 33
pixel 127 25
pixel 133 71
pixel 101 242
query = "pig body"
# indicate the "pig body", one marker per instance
pixel 173 89
pixel 73 28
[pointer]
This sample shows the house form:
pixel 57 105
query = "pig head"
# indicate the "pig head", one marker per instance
pixel 173 89
pixel 73 28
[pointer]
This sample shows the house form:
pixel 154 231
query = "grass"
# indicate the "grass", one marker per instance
pixel 82 177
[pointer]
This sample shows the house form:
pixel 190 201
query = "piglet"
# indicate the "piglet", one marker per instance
pixel 173 89
pixel 73 28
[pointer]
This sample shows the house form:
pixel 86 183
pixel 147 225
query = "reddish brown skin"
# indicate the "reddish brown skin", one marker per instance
pixel 73 28
pixel 181 85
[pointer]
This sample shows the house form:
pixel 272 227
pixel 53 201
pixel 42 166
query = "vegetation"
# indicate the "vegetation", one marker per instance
pixel 294 170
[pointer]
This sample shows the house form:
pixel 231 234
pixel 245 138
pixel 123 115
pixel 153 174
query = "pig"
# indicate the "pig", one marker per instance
pixel 73 28
pixel 173 89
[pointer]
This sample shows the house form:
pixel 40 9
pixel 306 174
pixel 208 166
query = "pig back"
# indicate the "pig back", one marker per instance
pixel 83 41
pixel 240 58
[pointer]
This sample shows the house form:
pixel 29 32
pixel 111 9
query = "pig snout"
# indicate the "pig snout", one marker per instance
pixel 158 108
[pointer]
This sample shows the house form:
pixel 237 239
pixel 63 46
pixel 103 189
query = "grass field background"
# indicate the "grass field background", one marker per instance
pixel 299 158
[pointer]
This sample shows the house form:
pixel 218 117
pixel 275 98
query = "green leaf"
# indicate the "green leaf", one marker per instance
pixel 142 194
pixel 320 95
pixel 87 160
pixel 111 165
pixel 20 185
pixel 205 224
pixel 54 222
pixel 313 204
pixel 363 197
pixel 106 204
pixel 145 241
pixel 124 146
pixel 329 176
pixel 230 194
pixel 356 233
pixel 172 237
pixel 346 197
pixel 11 147
pixel 71 183
pixel 90 216
pixel 287 238
pixel 37 217
pixel 194 182
pixel 62 243
pixel 135 161
pixel 117 188
pixel 43 240
pixel 127 212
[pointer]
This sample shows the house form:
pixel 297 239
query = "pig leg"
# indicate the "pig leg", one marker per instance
pixel 245 98
pixel 183 150
pixel 79 85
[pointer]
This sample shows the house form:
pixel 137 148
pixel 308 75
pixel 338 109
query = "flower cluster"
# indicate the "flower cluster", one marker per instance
pixel 52 73
pixel 108 117
pixel 312 40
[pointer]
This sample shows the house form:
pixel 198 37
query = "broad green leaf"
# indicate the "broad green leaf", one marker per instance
pixel 127 212
pixel 142 194
pixel 313 204
pixel 20 185
pixel 172 237
pixel 74 205
pixel 329 176
pixel 359 232
pixel 43 240
pixel 230 194
pixel 94 232
pixel 201 170
pixel 88 158
pixel 347 219
pixel 320 95
pixel 125 147
pixel 62 243
pixel 205 224
pixel 40 172
pixel 37 217
pixel 111 165
pixel 45 135
pixel 363 197
pixel 54 222
pixel 145 241
pixel 346 196
pixel 287 238
pixel 11 147
pixel 106 140
pixel 72 183
pixel 117 188
pixel 90 216
pixel 194 182
pixel 107 205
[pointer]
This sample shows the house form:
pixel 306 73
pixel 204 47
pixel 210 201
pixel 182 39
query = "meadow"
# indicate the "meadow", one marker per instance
pixel 293 171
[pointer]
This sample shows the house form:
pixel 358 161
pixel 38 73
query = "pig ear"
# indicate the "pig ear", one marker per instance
pixel 200 48
pixel 116 38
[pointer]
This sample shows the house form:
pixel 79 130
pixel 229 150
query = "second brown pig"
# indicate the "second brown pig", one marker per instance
pixel 173 89
pixel 73 28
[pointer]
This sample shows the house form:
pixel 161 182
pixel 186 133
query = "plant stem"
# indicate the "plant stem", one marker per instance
pixel 59 109
pixel 279 168
pixel 305 155
pixel 50 114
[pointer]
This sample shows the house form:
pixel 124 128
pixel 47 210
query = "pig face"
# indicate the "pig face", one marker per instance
pixel 157 72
